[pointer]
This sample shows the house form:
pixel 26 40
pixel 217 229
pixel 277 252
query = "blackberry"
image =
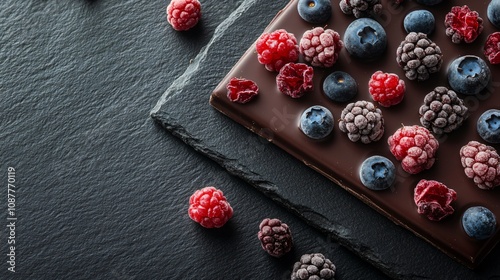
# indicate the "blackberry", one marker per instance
pixel 443 111
pixel 362 121
pixel 419 56
pixel 361 8
pixel 275 237
pixel 313 267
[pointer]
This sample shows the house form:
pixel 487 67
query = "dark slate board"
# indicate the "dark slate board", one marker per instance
pixel 184 111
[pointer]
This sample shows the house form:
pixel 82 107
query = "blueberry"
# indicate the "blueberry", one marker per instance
pixel 468 74
pixel 429 2
pixel 340 86
pixel 488 126
pixel 315 11
pixel 316 122
pixel 493 12
pixel 479 222
pixel 377 173
pixel 365 38
pixel 419 21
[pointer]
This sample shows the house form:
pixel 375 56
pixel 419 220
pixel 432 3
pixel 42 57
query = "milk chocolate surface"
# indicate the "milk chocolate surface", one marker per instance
pixel 275 116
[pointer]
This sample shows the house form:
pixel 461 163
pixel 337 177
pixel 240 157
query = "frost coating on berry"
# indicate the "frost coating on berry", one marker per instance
pixel 386 88
pixel 482 164
pixel 361 8
pixel 295 79
pixel 241 90
pixel 183 14
pixel 433 199
pixel 492 48
pixel 419 56
pixel 463 25
pixel 276 49
pixel 275 237
pixel 313 267
pixel 362 121
pixel 209 207
pixel 321 47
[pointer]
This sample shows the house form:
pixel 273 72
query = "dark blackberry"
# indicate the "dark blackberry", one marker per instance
pixel 275 237
pixel 419 56
pixel 362 121
pixel 313 267
pixel 361 8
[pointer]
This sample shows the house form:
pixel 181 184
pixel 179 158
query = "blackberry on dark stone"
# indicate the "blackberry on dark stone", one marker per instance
pixel 313 267
pixel 275 237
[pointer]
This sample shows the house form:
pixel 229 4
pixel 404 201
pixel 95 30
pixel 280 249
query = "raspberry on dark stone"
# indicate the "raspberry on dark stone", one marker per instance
pixel 362 121
pixel 209 207
pixel 275 237
pixel 295 79
pixel 183 14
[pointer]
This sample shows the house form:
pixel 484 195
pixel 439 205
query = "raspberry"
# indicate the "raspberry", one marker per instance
pixel 492 48
pixel 433 199
pixel 313 267
pixel 482 164
pixel 419 56
pixel 462 24
pixel 415 147
pixel 183 14
pixel 443 111
pixel 275 237
pixel 209 207
pixel 386 88
pixel 295 79
pixel 361 8
pixel 362 121
pixel 276 49
pixel 321 47
pixel 241 90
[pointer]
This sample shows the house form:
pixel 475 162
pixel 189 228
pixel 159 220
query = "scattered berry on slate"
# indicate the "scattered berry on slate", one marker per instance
pixel 482 164
pixel 415 147
pixel 316 122
pixel 295 79
pixel 443 111
pixel 468 74
pixel 386 88
pixel 277 48
pixel 183 14
pixel 241 90
pixel 479 222
pixel 365 38
pixel 339 86
pixel 419 21
pixel 429 2
pixel 377 173
pixel 362 121
pixel 209 207
pixel 419 56
pixel 275 237
pixel 315 11
pixel 488 126
pixel 321 47
pixel 492 47
pixel 433 199
pixel 361 8
pixel 493 12
pixel 313 266
pixel 463 25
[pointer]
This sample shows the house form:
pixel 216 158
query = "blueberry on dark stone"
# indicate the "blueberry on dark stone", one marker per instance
pixel 419 21
pixel 479 222
pixel 488 126
pixel 340 86
pixel 365 38
pixel 316 122
pixel 377 173
pixel 468 75
pixel 315 11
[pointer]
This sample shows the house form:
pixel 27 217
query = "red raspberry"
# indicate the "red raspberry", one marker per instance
pixel 482 164
pixel 433 199
pixel 321 47
pixel 275 237
pixel 462 24
pixel 241 90
pixel 492 48
pixel 209 207
pixel 415 146
pixel 295 79
pixel 386 88
pixel 183 14
pixel 276 49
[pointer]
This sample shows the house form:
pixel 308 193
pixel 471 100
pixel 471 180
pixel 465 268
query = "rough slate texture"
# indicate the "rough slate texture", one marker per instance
pixel 392 249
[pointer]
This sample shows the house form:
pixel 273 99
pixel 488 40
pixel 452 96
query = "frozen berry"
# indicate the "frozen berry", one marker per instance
pixel 433 199
pixel 209 207
pixel 183 14
pixel 482 164
pixel 488 126
pixel 419 21
pixel 241 90
pixel 429 2
pixel 275 237
pixel 365 38
pixel 362 121
pixel 415 147
pixel 295 79
pixel 479 222
pixel 361 8
pixel 315 11
pixel 316 122
pixel 492 47
pixel 468 75
pixel 386 88
pixel 313 267
pixel 340 86
pixel 320 47
pixel 493 12
pixel 377 173
pixel 443 111
pixel 463 25
pixel 277 48
pixel 419 56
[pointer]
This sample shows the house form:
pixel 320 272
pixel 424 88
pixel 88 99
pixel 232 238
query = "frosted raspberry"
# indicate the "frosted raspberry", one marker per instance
pixel 209 207
pixel 276 49
pixel 433 199
pixel 362 121
pixel 361 8
pixel 482 164
pixel 313 267
pixel 462 24
pixel 241 90
pixel 321 47
pixel 295 79
pixel 386 88
pixel 183 14
pixel 275 237
pixel 492 48
pixel 415 147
